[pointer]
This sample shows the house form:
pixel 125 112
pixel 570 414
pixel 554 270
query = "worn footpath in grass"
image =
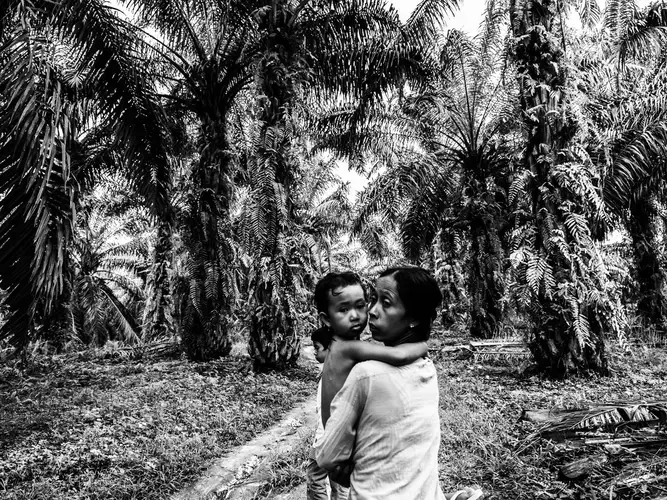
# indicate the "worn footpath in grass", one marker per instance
pixel 134 429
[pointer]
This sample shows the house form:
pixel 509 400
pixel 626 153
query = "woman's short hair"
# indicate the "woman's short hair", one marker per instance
pixel 420 294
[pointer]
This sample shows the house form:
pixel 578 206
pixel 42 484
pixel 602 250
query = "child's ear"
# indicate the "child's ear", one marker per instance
pixel 325 319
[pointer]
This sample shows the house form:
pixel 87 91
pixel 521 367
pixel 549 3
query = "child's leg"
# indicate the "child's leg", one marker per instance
pixel 316 482
pixel 338 492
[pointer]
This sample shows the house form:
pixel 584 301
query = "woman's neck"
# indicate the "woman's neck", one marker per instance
pixel 406 338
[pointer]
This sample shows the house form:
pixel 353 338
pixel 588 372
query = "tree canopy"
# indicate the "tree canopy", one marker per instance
pixel 503 161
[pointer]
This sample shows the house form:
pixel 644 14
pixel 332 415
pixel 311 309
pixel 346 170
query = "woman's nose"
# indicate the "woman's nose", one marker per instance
pixel 371 311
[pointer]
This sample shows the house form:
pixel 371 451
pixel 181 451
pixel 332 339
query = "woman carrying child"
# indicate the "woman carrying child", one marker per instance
pixel 342 307
pixel 385 420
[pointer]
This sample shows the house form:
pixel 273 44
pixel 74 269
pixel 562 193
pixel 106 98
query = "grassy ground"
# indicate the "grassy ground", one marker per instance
pixel 80 429
pixel 105 429
pixel 484 443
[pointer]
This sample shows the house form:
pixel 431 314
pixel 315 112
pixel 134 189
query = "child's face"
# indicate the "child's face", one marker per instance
pixel 347 311
pixel 320 352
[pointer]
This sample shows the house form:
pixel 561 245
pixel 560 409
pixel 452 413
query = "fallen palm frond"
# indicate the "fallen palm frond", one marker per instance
pixel 618 447
pixel 612 417
pixel 582 467
pixel 116 350
pixel 486 349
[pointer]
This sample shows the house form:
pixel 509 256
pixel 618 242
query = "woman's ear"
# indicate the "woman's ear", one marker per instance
pixel 324 317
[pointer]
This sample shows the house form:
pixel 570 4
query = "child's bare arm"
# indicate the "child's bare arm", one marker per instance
pixel 350 352
pixel 402 354
pixel 334 374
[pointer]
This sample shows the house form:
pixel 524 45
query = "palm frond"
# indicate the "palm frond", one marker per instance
pixel 638 157
pixel 387 195
pixel 589 13
pixel 636 33
pixel 120 317
pixel 427 210
pixel 428 18
pixel 35 199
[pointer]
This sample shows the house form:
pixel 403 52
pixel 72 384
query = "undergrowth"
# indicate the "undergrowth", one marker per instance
pixel 110 429
pixel 89 429
pixel 484 442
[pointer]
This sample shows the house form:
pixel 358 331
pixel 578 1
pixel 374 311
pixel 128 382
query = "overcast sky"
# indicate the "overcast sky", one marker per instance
pixel 470 12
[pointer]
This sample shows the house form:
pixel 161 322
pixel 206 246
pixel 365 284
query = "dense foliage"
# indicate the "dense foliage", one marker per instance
pixel 504 162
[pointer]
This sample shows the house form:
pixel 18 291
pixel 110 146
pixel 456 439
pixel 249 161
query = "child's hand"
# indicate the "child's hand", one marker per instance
pixel 341 474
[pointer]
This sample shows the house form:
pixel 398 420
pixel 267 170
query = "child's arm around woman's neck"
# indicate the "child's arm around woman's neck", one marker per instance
pixel 344 354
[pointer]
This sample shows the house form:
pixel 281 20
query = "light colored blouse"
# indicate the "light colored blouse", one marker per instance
pixel 320 428
pixel 385 418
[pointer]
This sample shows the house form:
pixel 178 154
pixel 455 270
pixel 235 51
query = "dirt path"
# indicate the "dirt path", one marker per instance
pixel 241 473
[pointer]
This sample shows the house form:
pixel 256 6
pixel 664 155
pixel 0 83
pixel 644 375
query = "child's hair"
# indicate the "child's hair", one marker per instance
pixel 420 294
pixel 332 281
pixel 323 335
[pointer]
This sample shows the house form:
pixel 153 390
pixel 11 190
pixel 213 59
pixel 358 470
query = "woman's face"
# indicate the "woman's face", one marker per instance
pixel 388 320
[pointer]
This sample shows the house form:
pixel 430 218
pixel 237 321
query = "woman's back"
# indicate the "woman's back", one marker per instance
pixel 398 433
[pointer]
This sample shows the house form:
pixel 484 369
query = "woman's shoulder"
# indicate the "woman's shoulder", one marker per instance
pixel 374 368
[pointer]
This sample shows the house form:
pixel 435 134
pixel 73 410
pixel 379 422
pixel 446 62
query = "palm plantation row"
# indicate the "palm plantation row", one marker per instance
pixel 176 174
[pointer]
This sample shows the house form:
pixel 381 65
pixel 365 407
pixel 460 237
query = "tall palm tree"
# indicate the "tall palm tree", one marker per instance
pixel 457 178
pixel 470 116
pixel 323 208
pixel 559 274
pixel 629 141
pixel 64 65
pixel 206 53
pixel 331 47
pixel 629 136
pixel 109 248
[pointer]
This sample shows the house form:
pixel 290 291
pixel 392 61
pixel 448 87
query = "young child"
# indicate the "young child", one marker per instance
pixel 342 307
pixel 316 478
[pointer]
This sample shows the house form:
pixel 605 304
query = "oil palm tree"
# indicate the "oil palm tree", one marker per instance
pixel 324 209
pixel 330 47
pixel 110 247
pixel 559 274
pixel 64 65
pixel 456 180
pixel 629 137
pixel 205 54
pixel 470 115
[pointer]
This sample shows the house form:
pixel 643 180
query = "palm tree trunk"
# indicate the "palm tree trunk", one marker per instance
pixel 567 336
pixel 651 274
pixel 158 320
pixel 484 285
pixel 208 306
pixel 273 340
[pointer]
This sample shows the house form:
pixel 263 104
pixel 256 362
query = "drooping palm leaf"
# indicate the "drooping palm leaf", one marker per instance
pixel 43 116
